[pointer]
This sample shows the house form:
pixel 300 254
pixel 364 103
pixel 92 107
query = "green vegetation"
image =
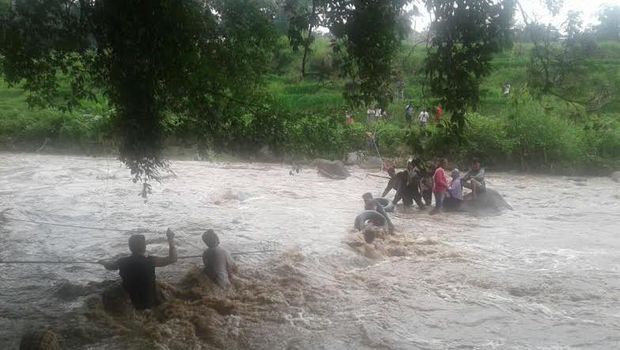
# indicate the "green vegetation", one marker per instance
pixel 188 61
pixel 250 88
pixel 307 118
pixel 26 128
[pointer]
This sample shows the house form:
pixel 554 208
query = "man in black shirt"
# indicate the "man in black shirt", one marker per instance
pixel 396 180
pixel 407 185
pixel 138 271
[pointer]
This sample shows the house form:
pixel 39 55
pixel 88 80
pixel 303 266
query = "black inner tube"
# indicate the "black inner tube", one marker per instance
pixel 385 203
pixel 369 215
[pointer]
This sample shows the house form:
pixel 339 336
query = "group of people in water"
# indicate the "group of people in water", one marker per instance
pixel 416 184
pixel 137 271
pixel 419 184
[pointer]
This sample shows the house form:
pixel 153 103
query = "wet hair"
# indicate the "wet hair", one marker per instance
pixel 475 160
pixel 137 244
pixel 210 238
pixel 367 195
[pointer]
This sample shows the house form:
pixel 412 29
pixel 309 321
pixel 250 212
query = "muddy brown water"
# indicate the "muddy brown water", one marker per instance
pixel 543 276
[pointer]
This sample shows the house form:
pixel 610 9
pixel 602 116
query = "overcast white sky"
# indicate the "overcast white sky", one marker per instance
pixel 536 9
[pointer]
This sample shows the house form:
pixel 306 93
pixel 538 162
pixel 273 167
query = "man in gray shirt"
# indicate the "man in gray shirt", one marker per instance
pixel 219 265
pixel 474 179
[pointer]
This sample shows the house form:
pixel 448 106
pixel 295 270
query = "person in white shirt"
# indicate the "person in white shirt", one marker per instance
pixel 455 192
pixel 219 265
pixel 423 118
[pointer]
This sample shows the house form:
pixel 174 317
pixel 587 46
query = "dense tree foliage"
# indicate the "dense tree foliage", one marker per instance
pixel 304 18
pixel 147 57
pixel 370 32
pixel 186 57
pixel 465 35
pixel 561 63
pixel 200 64
pixel 366 34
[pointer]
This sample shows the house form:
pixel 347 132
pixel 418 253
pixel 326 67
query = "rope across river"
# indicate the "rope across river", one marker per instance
pixel 76 262
pixel 3 217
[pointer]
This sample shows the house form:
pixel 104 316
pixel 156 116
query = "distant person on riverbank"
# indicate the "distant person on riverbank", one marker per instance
pixel 138 271
pixel 438 113
pixel 454 196
pixel 474 179
pixel 423 118
pixel 440 185
pixel 372 204
pixel 219 265
pixel 506 89
pixel 409 110
pixel 349 118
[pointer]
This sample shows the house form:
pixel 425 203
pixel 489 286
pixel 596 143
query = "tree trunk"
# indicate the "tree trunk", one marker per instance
pixel 306 51
pixel 308 41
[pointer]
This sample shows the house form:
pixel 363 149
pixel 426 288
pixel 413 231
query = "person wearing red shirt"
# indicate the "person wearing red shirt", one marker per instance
pixel 440 185
pixel 349 119
pixel 438 113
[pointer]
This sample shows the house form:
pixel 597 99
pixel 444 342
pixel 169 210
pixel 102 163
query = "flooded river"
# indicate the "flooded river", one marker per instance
pixel 543 276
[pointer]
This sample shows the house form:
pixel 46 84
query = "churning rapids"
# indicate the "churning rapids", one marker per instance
pixel 544 276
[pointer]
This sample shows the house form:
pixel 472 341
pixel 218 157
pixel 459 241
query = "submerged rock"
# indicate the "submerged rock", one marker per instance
pixel 372 163
pixel 615 176
pixel 332 169
pixel 488 201
pixel 354 158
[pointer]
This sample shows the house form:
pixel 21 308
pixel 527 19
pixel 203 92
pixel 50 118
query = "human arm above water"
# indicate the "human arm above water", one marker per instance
pixel 389 187
pixel 110 265
pixel 172 252
pixel 467 176
pixel 479 176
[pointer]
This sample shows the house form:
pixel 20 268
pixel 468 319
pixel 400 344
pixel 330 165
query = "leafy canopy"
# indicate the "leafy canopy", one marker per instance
pixel 153 58
pixel 465 35
pixel 148 57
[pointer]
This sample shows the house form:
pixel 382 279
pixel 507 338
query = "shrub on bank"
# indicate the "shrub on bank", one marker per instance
pixel 526 135
pixel 543 139
pixel 486 138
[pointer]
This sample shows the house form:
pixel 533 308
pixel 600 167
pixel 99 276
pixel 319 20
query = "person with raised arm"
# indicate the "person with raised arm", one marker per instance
pixel 138 271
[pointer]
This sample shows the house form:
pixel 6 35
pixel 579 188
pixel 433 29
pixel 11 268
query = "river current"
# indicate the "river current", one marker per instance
pixel 545 275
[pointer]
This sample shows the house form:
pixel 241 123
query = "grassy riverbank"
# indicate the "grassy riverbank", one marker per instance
pixel 306 118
